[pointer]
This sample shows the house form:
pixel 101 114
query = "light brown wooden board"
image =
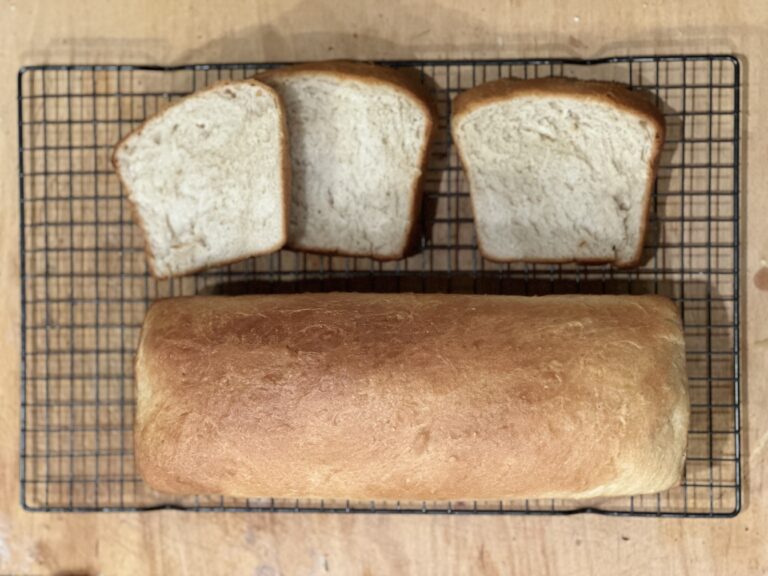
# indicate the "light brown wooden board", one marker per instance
pixel 34 32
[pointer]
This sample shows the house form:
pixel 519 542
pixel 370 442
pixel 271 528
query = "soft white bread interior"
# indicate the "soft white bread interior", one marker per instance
pixel 359 136
pixel 208 178
pixel 559 170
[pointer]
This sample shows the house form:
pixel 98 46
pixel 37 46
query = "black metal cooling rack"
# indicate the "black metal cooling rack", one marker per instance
pixel 85 285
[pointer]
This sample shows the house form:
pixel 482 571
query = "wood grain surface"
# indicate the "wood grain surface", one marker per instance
pixel 165 32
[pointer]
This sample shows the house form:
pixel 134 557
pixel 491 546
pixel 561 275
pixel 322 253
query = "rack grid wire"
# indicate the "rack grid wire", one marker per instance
pixel 85 285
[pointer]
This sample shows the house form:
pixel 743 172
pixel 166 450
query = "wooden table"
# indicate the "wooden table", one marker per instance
pixel 164 32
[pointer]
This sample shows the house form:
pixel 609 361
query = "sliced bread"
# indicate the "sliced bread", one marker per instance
pixel 559 170
pixel 208 178
pixel 359 135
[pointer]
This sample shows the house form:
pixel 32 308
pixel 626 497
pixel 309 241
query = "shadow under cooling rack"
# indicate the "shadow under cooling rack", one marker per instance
pixel 85 286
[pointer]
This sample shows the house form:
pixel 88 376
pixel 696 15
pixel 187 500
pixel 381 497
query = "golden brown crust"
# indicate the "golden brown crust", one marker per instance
pixel 296 247
pixel 402 79
pixel 286 176
pixel 402 396
pixel 607 92
pixel 611 93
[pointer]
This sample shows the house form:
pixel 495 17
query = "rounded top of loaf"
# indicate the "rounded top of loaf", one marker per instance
pixel 612 93
pixel 403 79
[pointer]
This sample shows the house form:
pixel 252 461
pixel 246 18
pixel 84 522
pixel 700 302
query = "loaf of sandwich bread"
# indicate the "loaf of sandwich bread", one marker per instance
pixel 411 397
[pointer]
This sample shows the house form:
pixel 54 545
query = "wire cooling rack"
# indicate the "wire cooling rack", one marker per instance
pixel 85 286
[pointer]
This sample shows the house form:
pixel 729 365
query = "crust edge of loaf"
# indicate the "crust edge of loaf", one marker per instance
pixel 403 80
pixel 285 178
pixel 612 93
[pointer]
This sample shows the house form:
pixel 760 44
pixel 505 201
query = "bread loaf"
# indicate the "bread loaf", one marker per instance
pixel 411 397
pixel 559 170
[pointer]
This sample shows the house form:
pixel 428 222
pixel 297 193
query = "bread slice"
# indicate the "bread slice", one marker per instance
pixel 359 136
pixel 559 170
pixel 208 178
